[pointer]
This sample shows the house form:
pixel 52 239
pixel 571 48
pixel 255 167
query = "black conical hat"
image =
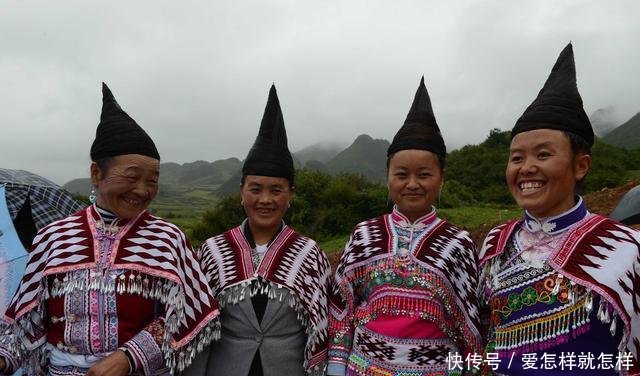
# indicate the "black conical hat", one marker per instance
pixel 118 133
pixel 558 105
pixel 269 155
pixel 420 130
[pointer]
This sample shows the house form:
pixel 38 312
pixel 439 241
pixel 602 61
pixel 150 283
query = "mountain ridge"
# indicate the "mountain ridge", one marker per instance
pixel 626 135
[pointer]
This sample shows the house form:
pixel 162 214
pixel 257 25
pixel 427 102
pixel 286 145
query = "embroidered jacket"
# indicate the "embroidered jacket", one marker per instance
pixel 434 281
pixel 293 262
pixel 594 266
pixel 87 293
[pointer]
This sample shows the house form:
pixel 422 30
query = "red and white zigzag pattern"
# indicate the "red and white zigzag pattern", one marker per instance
pixel 291 260
pixel 62 245
pixel 146 244
pixel 601 255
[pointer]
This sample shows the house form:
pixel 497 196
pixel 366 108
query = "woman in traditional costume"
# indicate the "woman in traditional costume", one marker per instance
pixel 561 284
pixel 270 281
pixel 112 289
pixel 403 300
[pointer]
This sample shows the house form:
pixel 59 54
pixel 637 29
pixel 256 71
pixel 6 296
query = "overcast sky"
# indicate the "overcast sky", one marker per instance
pixel 196 75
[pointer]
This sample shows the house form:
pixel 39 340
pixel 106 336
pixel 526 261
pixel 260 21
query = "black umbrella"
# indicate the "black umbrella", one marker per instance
pixel 28 202
pixel 34 202
pixel 628 209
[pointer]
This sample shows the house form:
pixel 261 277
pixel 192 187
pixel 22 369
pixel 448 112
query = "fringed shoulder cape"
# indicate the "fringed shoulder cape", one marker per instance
pixel 291 261
pixel 600 255
pixel 447 267
pixel 159 262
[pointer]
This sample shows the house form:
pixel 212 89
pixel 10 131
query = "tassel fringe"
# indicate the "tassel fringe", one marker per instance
pixel 166 292
pixel 234 294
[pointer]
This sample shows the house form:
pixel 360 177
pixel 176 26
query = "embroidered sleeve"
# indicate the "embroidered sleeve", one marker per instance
pixel 145 348
pixel 340 327
pixel 341 303
pixel 21 348
pixel 483 302
pixel 10 360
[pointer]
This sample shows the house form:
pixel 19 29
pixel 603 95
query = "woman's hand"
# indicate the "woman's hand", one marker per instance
pixel 115 364
pixel 2 364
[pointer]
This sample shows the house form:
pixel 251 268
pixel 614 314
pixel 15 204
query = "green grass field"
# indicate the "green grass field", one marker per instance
pixel 335 244
pixel 470 217
pixel 184 208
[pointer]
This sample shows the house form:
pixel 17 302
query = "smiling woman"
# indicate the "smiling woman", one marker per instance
pixel 543 171
pixel 271 281
pixel 415 179
pixel 125 184
pixel 105 290
pixel 384 292
pixel 560 263
pixel 265 200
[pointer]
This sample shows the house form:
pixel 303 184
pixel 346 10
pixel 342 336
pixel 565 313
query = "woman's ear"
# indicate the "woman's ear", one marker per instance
pixel 95 173
pixel 582 164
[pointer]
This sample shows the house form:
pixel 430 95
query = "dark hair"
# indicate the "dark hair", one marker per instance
pixel 578 146
pixel 104 164
pixel 441 160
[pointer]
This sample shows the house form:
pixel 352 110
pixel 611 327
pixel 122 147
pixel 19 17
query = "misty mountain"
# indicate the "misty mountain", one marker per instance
pixel 315 165
pixel 321 152
pixel 627 135
pixel 603 121
pixel 365 156
pixel 205 173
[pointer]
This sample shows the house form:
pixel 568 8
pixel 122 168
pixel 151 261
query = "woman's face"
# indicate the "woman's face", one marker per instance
pixel 543 171
pixel 265 200
pixel 128 184
pixel 414 180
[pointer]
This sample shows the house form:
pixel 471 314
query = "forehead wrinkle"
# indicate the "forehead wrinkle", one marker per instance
pixel 141 169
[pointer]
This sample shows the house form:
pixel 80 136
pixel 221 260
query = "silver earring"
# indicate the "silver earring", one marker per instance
pixel 92 196
pixel 288 205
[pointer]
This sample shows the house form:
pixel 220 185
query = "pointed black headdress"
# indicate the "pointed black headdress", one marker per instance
pixel 558 105
pixel 269 155
pixel 420 130
pixel 118 134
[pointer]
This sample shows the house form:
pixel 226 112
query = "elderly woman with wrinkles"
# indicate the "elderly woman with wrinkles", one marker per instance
pixel 112 289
